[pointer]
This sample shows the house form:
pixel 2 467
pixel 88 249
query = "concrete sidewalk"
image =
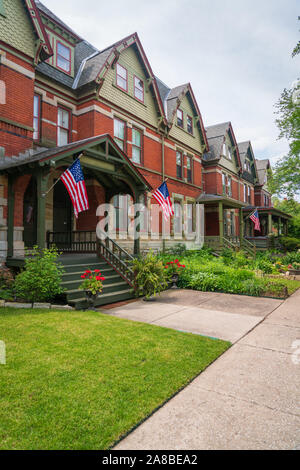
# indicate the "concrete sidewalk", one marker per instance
pixel 248 399
pixel 223 316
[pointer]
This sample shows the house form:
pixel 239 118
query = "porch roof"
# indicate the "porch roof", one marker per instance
pixel 215 198
pixel 100 153
pixel 268 210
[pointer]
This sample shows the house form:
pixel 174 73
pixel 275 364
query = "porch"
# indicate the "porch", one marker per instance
pixel 224 225
pixel 39 208
pixel 273 224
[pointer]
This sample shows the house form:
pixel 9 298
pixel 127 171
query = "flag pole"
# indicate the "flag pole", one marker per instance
pixel 45 194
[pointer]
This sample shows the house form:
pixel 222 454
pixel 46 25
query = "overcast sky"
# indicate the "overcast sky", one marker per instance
pixel 235 53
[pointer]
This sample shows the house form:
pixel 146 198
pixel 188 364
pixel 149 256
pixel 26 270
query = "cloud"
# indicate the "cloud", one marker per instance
pixel 237 55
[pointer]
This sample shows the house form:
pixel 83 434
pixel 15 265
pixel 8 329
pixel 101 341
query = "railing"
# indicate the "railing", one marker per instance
pixel 248 246
pixel 80 241
pixel 229 243
pixel 117 257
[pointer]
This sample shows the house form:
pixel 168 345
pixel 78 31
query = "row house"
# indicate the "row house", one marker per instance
pixel 60 98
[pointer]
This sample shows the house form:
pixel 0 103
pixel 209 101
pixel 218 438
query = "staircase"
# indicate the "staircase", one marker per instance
pixel 115 288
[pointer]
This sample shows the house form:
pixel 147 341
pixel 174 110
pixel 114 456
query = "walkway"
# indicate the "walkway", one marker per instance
pixel 247 399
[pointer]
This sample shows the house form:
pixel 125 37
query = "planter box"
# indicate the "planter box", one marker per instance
pixel 294 272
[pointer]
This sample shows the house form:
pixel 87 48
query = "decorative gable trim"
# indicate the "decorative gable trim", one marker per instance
pixel 43 49
pixel 113 58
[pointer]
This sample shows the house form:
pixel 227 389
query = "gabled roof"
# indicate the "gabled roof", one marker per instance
pixel 244 148
pixel 172 97
pixel 262 167
pixel 55 18
pixel 43 46
pixel 216 136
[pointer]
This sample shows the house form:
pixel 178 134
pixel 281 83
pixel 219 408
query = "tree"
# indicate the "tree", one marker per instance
pixel 292 207
pixel 286 174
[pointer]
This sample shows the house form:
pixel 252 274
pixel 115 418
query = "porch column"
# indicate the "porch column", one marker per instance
pixel 10 217
pixel 241 220
pixel 221 223
pixel 279 226
pixel 41 183
pixel 270 224
pixel 136 247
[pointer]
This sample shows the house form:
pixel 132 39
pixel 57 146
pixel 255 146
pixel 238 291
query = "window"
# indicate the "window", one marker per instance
pixel 139 89
pixel 229 153
pixel 249 194
pixel 121 203
pixel 120 133
pixel 229 186
pixel 179 165
pixel 63 57
pixel 224 150
pixel 266 200
pixel 36 117
pixel 245 192
pixel 63 126
pixel 122 81
pixel 136 146
pixel 247 166
pixel 179 118
pixel 189 124
pixel 190 221
pixel 189 169
pixel 177 218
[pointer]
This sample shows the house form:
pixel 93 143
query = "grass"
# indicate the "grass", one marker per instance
pixel 81 380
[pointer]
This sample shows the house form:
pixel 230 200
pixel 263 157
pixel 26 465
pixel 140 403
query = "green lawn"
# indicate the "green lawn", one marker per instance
pixel 80 380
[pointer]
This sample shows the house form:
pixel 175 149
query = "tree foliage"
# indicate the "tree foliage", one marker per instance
pixel 286 175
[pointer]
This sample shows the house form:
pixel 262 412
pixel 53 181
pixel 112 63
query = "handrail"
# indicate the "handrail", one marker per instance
pixel 229 244
pixel 120 262
pixel 250 247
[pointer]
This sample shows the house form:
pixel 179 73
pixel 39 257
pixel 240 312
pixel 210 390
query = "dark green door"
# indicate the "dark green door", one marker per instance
pixel 62 216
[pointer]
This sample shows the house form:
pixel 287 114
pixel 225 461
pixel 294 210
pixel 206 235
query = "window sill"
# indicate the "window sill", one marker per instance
pixel 127 94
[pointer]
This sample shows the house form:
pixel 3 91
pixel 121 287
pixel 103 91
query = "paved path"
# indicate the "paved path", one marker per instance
pixel 248 398
pixel 223 316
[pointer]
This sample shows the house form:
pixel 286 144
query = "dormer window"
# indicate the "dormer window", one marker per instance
pixel 63 57
pixel 139 89
pixel 179 118
pixel 122 81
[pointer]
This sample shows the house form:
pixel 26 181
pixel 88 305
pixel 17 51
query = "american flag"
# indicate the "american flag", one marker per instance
pixel 73 180
pixel 254 217
pixel 163 198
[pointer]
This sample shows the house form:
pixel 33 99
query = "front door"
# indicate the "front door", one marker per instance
pixel 62 216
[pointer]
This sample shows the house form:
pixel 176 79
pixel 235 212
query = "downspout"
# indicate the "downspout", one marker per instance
pixel 163 179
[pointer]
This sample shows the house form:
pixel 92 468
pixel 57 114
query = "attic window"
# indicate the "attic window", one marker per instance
pixel 189 124
pixel 247 166
pixel 179 118
pixel 229 154
pixel 224 150
pixel 63 58
pixel 122 81
pixel 139 89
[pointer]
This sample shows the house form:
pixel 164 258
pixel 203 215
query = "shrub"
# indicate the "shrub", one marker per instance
pixel 291 257
pixel 264 265
pixel 6 277
pixel 290 243
pixel 149 275
pixel 40 281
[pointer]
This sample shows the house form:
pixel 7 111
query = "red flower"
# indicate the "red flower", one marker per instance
pixel 88 272
pixel 176 261
pixel 83 276
pixel 98 278
pixel 97 270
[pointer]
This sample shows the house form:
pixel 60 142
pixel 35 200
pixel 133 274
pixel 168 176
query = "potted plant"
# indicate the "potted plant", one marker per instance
pixel 174 268
pixel 149 276
pixel 92 285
